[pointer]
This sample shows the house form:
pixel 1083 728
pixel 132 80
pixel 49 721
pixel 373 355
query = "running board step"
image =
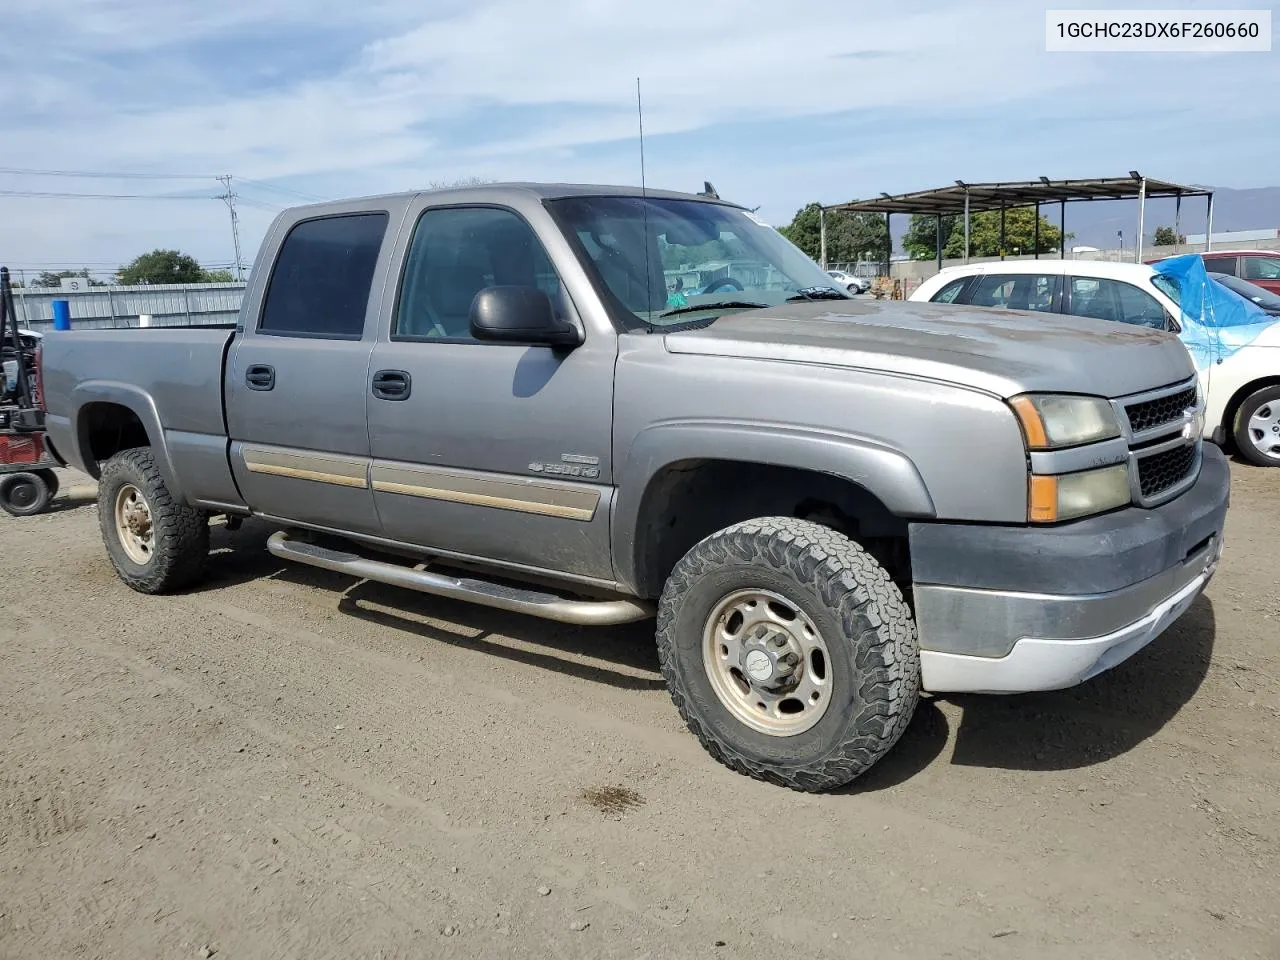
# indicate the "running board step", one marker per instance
pixel 548 606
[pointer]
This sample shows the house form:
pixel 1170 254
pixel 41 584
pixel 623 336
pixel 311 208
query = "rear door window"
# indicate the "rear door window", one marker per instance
pixel 1016 291
pixel 1262 268
pixel 1220 265
pixel 320 284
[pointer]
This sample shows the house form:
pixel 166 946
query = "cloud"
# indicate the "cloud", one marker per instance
pixel 778 105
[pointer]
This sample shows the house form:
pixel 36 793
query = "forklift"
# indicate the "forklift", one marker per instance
pixel 27 481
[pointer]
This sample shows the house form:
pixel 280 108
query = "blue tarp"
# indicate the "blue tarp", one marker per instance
pixel 1216 321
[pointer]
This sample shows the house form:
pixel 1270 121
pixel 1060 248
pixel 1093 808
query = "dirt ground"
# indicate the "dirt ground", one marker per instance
pixel 287 763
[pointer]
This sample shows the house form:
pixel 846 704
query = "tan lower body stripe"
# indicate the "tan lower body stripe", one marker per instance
pixel 484 500
pixel 300 465
pixel 569 501
pixel 502 492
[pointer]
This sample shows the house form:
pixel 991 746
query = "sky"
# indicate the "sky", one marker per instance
pixel 778 104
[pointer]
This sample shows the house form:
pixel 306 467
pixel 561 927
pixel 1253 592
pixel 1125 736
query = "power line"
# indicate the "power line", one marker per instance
pixel 24 172
pixel 102 174
pixel 50 195
pixel 260 204
pixel 285 190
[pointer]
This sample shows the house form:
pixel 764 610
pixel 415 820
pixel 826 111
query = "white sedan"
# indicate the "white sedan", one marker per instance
pixel 1241 385
pixel 849 281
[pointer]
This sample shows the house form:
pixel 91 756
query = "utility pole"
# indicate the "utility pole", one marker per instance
pixel 229 198
pixel 822 237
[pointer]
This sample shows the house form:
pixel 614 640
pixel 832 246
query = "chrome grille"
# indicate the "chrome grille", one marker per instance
pixel 1148 414
pixel 1161 471
pixel 1164 452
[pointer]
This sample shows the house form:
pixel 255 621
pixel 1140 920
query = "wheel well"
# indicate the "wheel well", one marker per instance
pixel 107 428
pixel 690 500
pixel 1237 398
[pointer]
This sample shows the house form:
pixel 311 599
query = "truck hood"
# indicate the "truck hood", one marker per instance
pixel 1003 352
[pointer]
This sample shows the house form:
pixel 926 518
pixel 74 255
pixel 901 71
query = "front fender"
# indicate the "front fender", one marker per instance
pixel 132 398
pixel 882 471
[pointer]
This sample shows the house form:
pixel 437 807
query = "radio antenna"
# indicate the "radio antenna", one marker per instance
pixel 640 114
pixel 644 206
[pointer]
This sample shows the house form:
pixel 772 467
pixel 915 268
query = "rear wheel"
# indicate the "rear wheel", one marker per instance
pixel 25 494
pixel 789 652
pixel 156 543
pixel 1257 427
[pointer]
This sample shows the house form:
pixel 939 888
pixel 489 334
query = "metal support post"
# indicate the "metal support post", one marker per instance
pixel 1142 219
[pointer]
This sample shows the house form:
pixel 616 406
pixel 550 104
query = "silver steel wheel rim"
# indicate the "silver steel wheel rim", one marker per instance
pixel 1264 430
pixel 134 527
pixel 790 692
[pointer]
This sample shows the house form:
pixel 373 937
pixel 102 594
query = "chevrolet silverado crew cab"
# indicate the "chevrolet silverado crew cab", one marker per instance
pixel 601 404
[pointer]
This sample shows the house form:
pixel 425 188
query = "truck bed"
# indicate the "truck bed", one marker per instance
pixel 88 373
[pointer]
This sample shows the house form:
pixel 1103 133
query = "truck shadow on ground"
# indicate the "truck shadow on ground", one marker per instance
pixel 1063 729
pixel 623 657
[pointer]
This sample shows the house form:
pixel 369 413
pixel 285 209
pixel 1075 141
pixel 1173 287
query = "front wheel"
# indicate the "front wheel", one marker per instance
pixel 1257 427
pixel 156 543
pixel 789 652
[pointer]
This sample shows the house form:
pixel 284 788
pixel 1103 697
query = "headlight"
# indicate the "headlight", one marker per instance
pixel 1070 495
pixel 1054 420
pixel 1197 423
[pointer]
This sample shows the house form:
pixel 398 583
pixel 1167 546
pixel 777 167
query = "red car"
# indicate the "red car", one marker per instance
pixel 1261 267
pixel 1257 266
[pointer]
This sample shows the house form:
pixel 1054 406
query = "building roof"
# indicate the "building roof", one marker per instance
pixel 1018 193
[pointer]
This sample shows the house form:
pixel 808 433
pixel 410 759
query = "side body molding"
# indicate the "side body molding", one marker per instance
pixel 887 474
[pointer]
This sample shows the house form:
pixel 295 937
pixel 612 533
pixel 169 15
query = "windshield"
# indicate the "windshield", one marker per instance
pixel 1250 291
pixel 667 262
pixel 1169 286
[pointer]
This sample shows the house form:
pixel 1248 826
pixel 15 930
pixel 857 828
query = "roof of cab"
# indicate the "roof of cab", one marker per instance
pixel 542 191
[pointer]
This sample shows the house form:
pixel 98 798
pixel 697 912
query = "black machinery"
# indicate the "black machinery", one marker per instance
pixel 27 480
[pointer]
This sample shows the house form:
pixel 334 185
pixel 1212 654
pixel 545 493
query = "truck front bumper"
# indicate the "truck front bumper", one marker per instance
pixel 1017 609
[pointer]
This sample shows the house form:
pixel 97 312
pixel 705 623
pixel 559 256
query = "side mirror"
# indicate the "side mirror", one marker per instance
pixel 519 315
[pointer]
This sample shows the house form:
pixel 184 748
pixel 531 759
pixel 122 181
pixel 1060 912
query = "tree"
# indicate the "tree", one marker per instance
pixel 218 276
pixel 850 236
pixel 1165 237
pixel 921 238
pixel 1019 234
pixel 459 182
pixel 161 266
pixel 53 279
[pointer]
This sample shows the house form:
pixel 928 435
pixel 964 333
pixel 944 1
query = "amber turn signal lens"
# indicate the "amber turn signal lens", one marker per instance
pixel 1042 500
pixel 1071 495
pixel 1032 424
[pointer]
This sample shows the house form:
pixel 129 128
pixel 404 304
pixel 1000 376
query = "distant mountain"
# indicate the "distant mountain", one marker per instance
pixel 1095 223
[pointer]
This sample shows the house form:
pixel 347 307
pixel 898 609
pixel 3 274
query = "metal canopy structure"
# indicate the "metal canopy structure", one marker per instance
pixel 964 199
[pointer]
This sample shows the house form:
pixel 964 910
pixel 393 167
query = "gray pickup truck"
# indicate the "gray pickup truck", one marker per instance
pixel 599 404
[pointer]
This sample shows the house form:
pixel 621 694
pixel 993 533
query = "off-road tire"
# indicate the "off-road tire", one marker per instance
pixel 24 494
pixel 869 631
pixel 1266 396
pixel 181 532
